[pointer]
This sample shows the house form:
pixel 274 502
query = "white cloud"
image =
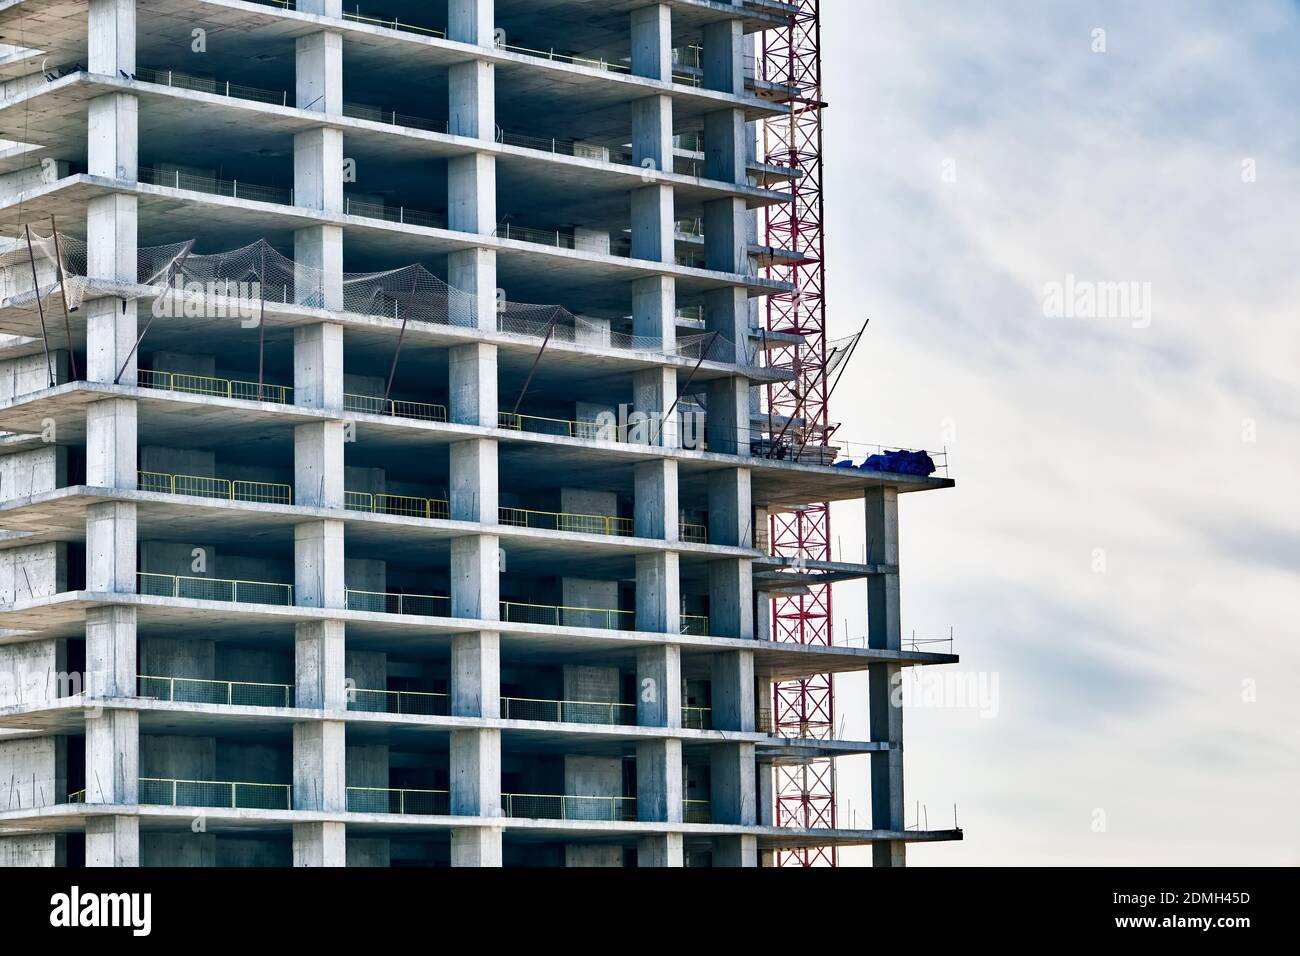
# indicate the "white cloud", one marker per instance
pixel 1120 690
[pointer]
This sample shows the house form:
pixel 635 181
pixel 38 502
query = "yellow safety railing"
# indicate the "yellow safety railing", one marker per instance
pixel 516 612
pixel 547 806
pixel 693 533
pixel 395 408
pixel 567 711
pixel 230 794
pixel 564 427
pixel 218 387
pixel 200 486
pixel 214 589
pixel 697 811
pixel 697 718
pixel 193 690
pixel 385 800
pixel 565 521
pixel 697 624
pixel 398 702
pixel 77 796
pixel 396 505
pixel 429 605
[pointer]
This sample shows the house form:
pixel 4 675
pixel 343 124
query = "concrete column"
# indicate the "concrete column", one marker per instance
pixel 726 237
pixel 476 675
pixel 111 444
pixel 659 781
pixel 884 631
pixel 724 57
pixel 471 194
pixel 766 784
pixel 319 665
pixel 320 844
pixel 653 224
pixel 113 757
pixel 659 686
pixel 476 577
pixel 658 593
pixel 729 421
pixel 318 169
pixel 473 481
pixel 322 8
pixel 726 311
pixel 652 133
pixel 471 21
pixel 111 663
pixel 736 851
pixel 472 384
pixel 657 512
pixel 654 311
pixel 318 366
pixel 654 393
pixel 652 42
pixel 319 766
pixel 111 547
pixel 318 568
pixel 476 846
pixel 319 72
pixel 318 464
pixel 733 691
pixel 113 841
pixel 476 772
pixel 726 147
pixel 732 784
pixel 731 598
pixel 731 508
pixel 661 850
pixel 318 250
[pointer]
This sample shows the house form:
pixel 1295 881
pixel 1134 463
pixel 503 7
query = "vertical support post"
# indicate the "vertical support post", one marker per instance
pixel 884 631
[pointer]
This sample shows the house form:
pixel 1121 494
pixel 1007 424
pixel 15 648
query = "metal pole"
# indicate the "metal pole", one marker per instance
pixel 63 289
pixel 36 290
pixel 550 327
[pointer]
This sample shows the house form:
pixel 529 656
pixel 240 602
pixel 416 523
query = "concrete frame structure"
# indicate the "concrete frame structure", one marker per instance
pixel 346 628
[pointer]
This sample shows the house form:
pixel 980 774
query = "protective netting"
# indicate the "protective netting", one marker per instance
pixel 258 273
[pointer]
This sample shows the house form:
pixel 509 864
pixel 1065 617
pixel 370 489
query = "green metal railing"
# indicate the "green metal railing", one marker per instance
pixel 568 711
pixel 214 589
pixel 429 605
pixel 228 794
pixel 410 802
pixel 399 702
pixel 202 486
pixel 192 690
pixel 405 505
pixel 538 806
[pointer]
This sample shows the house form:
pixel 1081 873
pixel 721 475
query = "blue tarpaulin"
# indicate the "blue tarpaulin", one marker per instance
pixel 901 463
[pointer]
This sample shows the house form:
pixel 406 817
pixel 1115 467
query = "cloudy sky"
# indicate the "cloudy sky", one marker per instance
pixel 1122 551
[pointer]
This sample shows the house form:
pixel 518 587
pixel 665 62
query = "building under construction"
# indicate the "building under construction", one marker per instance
pixel 416 440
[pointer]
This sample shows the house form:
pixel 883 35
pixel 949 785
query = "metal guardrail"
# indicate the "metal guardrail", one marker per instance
pixel 200 486
pixel 77 796
pixel 405 801
pixel 217 387
pixel 568 711
pixel 395 408
pixel 381 602
pixel 233 188
pixel 516 612
pixel 405 505
pixel 695 624
pixel 423 703
pixel 697 718
pixel 539 806
pixel 565 521
pixel 214 589
pixel 229 794
pixel 693 533
pixel 202 84
pixel 398 214
pixel 192 690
